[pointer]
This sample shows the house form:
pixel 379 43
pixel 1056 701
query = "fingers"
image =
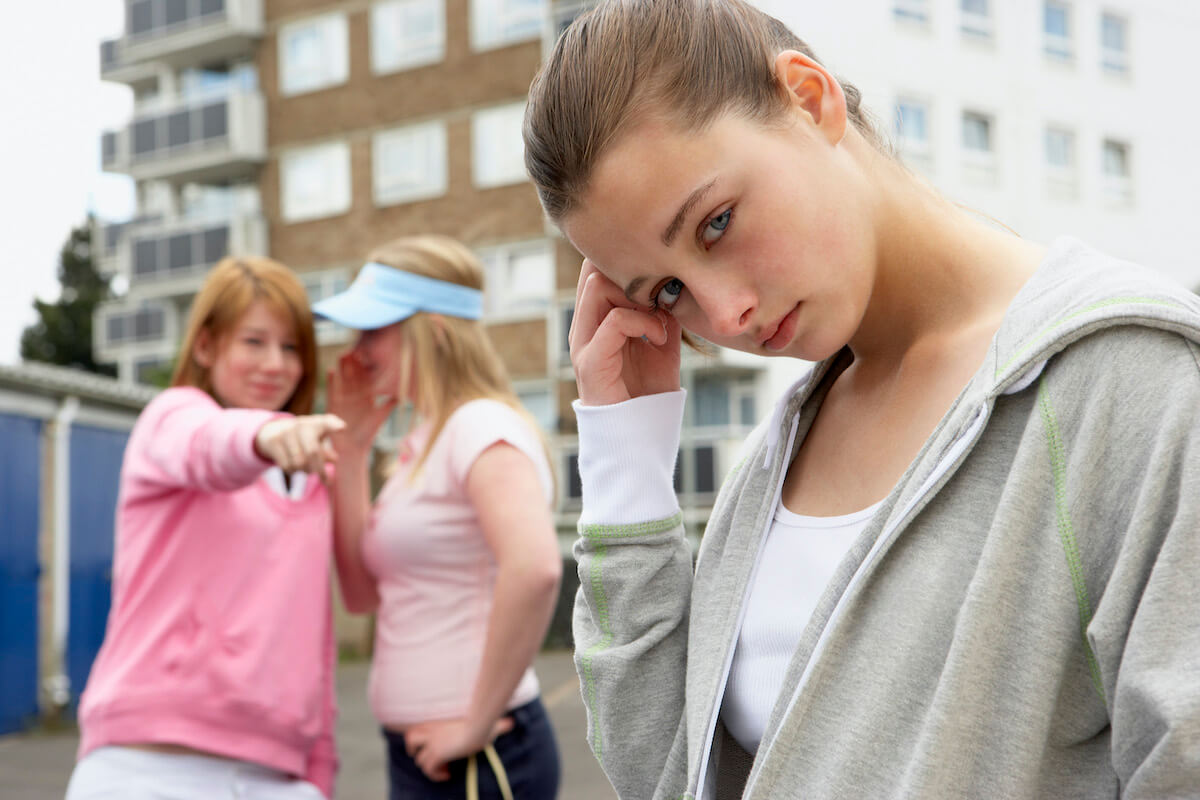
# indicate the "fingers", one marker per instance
pixel 597 296
pixel 501 727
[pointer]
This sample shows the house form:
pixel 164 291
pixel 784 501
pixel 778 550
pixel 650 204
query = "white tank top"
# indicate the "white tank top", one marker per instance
pixel 797 562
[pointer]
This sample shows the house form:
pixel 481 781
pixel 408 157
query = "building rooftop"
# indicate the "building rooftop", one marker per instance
pixel 55 380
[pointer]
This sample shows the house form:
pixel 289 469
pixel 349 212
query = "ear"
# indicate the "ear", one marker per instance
pixel 204 351
pixel 813 91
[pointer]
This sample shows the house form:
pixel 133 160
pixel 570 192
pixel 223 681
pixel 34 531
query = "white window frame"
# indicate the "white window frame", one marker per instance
pixel 426 173
pixel 330 64
pixel 1112 60
pixel 501 299
pixel 499 23
pixel 497 149
pixel 976 25
pixel 332 195
pixel 392 48
pixel 1059 46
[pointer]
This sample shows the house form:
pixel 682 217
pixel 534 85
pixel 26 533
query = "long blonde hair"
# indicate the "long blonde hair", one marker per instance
pixel 232 286
pixel 452 359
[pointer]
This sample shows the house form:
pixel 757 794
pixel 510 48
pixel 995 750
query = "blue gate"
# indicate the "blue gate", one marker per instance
pixel 95 471
pixel 20 497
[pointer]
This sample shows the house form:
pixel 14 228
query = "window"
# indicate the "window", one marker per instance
pixel 1060 149
pixel 1116 159
pixel 495 23
pixel 573 485
pixel 978 148
pixel 1061 178
pixel 722 401
pixel 518 278
pixel 976 18
pixel 1057 27
pixel 312 54
pixel 1118 172
pixel 315 182
pixel 142 325
pixel 539 402
pixel 1114 44
pixel 977 132
pixel 911 10
pixel 497 150
pixel 407 33
pixel 409 163
pixel 318 286
pixel 912 129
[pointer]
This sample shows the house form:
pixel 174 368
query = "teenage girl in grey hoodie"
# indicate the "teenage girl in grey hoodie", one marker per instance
pixel 961 557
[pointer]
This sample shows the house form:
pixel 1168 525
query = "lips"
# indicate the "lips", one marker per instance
pixel 783 332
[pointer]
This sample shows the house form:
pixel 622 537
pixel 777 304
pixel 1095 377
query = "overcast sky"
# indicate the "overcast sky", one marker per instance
pixel 54 108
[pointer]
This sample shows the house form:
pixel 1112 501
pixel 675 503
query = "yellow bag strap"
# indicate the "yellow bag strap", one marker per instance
pixel 497 767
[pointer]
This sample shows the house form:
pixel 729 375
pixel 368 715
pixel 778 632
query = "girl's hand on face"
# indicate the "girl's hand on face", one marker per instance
pixel 351 395
pixel 620 350
pixel 299 444
pixel 433 745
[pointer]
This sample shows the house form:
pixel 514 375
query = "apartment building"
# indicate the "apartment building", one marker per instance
pixel 1050 116
pixel 314 130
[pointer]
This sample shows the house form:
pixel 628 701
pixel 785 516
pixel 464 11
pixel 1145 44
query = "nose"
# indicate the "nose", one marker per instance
pixel 729 308
pixel 274 359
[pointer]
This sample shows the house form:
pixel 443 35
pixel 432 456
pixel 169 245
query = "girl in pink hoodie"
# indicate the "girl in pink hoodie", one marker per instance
pixel 215 678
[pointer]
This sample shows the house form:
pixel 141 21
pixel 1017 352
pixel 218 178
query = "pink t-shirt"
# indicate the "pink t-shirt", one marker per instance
pixel 435 570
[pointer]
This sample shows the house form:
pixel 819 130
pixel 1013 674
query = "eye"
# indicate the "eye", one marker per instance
pixel 668 295
pixel 714 229
pixel 291 348
pixel 253 341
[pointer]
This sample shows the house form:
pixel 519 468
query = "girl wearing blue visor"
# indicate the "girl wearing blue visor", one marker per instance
pixel 458 557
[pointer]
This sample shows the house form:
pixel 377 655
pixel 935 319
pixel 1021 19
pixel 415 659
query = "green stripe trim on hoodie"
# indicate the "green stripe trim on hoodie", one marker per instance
pixel 1066 530
pixel 1113 301
pixel 606 637
pixel 628 531
pixel 597 534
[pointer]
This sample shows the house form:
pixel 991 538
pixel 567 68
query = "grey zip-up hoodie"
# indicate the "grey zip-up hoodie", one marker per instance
pixel 1021 618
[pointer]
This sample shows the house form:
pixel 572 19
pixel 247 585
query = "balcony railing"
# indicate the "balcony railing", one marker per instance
pixel 180 32
pixel 210 139
pixel 169 258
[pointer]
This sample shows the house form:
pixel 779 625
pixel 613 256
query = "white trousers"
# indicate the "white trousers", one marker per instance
pixel 108 773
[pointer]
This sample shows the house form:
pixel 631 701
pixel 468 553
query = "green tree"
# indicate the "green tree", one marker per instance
pixel 63 333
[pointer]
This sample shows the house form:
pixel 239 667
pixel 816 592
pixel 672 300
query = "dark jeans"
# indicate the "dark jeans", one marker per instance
pixel 528 752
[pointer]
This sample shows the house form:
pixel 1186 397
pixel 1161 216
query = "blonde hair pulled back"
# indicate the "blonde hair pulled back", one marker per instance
pixel 690 60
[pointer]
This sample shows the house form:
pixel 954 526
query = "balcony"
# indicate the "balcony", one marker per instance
pixel 180 33
pixel 202 139
pixel 122 328
pixel 169 258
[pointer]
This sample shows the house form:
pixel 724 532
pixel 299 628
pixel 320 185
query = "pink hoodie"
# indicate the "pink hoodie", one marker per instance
pixel 220 635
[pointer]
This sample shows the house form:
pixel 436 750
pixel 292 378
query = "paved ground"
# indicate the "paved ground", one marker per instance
pixel 36 766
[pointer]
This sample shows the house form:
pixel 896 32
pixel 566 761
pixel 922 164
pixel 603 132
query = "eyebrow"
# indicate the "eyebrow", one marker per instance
pixel 688 204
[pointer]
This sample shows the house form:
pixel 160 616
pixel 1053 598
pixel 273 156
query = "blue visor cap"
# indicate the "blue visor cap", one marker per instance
pixel 381 295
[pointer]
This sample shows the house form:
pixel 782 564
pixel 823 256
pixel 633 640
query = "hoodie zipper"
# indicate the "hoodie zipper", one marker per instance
pixel 737 629
pixel 953 455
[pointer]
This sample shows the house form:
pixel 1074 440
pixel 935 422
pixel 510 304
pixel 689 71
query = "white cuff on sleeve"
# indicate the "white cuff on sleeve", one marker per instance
pixel 627 457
